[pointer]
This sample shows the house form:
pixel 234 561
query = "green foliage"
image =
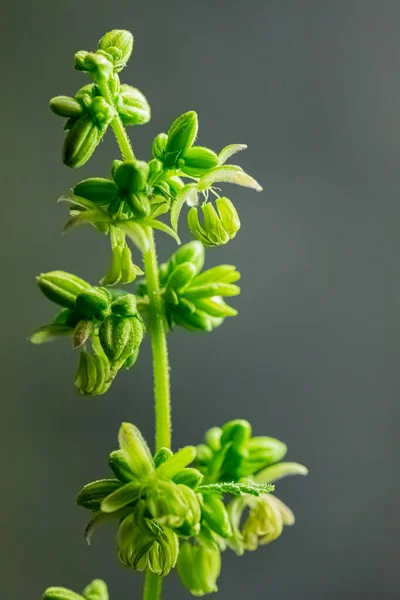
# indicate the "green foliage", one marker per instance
pixel 171 508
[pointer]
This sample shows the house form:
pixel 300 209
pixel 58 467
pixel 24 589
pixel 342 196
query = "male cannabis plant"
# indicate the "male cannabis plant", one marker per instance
pixel 168 514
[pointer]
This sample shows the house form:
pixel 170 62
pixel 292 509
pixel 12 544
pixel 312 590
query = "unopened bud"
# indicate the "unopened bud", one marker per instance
pixel 98 190
pixel 67 107
pixel 215 515
pixel 60 593
pixel 97 590
pixel 131 176
pixel 80 142
pixel 93 302
pixel 118 43
pixel 199 567
pixel 120 336
pixel 133 107
pixel 93 375
pixel 197 161
pixel 93 62
pixel 182 134
pixel 61 287
pixel 124 306
pixel 159 145
pixel 192 252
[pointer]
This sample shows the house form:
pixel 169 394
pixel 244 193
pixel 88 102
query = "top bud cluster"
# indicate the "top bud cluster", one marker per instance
pixel 138 192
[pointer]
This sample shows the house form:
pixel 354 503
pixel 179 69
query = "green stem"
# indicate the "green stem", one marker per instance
pixel 158 333
pixel 152 587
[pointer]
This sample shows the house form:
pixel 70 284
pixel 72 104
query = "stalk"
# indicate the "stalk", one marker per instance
pixel 158 334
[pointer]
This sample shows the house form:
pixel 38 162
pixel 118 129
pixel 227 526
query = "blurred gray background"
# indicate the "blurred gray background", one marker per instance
pixel 313 88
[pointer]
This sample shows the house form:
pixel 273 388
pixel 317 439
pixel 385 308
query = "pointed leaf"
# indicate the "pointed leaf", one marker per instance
pixel 91 495
pixel 280 470
pixel 228 174
pixel 88 216
pixel 48 333
pixel 80 201
pixel 155 224
pixel 229 151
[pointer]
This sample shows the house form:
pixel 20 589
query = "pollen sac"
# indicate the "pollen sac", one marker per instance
pixel 132 106
pixel 218 227
pixel 118 45
pixel 199 566
pixel 93 303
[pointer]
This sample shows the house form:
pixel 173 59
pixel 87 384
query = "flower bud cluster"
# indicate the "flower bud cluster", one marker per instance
pixel 194 298
pixel 96 590
pixel 92 314
pixel 94 106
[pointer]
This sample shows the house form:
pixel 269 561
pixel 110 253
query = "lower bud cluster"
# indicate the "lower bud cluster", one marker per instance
pixel 170 514
pixel 194 299
pixel 110 323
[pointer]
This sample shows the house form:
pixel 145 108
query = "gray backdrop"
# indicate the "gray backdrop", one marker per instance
pixel 313 88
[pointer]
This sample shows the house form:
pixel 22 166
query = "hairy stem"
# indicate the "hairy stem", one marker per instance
pixel 157 330
pixel 152 587
pixel 158 334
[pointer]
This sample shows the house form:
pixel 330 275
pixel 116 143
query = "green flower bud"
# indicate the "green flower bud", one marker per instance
pixel 193 321
pixel 218 228
pixel 61 287
pixel 236 432
pixel 98 190
pixel 60 593
pixel 82 332
pixel 198 160
pixel 189 477
pixel 159 145
pixel 212 438
pixel 95 63
pixel 124 306
pixel 92 494
pixel 86 93
pixel 132 106
pixel 80 142
pixel 215 515
pixel 131 176
pixel 181 276
pixel 97 590
pixel 199 567
pixel 145 545
pixel 204 454
pixel 101 112
pixel 93 375
pixel 118 43
pixel 120 336
pixel 175 506
pixel 120 467
pixel 67 107
pixel 93 302
pixel 192 252
pixel 181 136
pixel 140 204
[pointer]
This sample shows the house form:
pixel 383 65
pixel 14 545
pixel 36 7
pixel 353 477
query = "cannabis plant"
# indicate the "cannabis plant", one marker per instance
pixel 171 509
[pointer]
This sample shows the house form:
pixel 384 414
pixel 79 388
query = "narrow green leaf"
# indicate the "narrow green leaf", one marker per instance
pixel 176 208
pixel 155 224
pixel 228 174
pixel 89 216
pixel 229 151
pixel 51 332
pixel 137 234
pixel 280 470
pixel 79 201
